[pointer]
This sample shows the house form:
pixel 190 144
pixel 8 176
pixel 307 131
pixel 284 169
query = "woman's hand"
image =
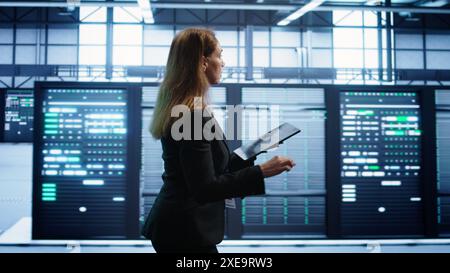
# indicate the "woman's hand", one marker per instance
pixel 276 165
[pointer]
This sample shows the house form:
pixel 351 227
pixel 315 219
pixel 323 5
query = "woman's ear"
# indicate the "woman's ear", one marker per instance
pixel 204 63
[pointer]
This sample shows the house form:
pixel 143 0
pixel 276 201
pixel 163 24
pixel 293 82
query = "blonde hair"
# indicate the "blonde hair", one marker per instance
pixel 184 78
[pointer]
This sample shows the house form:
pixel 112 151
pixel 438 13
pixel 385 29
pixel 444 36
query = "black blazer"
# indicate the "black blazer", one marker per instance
pixel 198 176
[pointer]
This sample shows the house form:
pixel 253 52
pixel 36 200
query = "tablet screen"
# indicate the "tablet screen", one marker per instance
pixel 267 141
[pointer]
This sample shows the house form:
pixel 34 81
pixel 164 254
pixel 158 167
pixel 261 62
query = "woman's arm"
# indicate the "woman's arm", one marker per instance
pixel 236 163
pixel 198 170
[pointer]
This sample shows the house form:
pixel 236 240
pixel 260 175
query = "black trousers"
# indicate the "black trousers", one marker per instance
pixel 159 248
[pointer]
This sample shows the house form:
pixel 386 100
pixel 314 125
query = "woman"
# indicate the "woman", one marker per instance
pixel 188 214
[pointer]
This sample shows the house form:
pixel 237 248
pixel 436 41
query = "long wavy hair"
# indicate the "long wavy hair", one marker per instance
pixel 184 78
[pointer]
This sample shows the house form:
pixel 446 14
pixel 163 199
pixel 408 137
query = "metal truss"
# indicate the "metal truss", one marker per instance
pixel 229 74
pixel 228 6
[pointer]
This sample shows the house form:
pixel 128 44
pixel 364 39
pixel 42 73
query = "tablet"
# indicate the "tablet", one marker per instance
pixel 268 141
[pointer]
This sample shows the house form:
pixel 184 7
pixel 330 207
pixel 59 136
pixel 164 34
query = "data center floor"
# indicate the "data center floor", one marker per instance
pixel 16 240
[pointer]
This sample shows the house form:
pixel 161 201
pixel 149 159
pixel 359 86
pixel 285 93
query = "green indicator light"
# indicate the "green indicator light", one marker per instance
pixel 50 132
pixel 306 203
pixel 365 112
pixel 49 194
pixel 264 213
pixel 402 118
pixel 47 185
pixel 374 167
pixel 51 126
pixel 399 133
pixel 49 189
pixel 51 120
pixel 51 114
pixel 73 159
pixel 48 199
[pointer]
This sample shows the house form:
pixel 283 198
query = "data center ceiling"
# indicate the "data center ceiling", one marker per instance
pixel 242 4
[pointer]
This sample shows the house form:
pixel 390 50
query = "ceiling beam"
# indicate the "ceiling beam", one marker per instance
pixel 254 7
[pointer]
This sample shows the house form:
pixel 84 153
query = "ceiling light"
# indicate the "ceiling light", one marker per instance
pixel 146 11
pixel 300 12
